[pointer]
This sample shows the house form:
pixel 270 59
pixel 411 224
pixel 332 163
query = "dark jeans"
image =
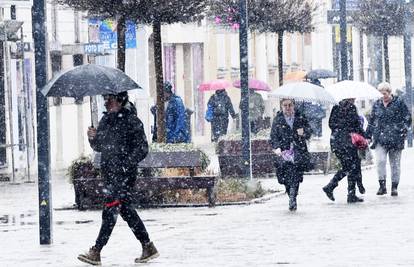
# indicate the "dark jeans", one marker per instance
pixel 109 218
pixel 350 166
pixel 119 201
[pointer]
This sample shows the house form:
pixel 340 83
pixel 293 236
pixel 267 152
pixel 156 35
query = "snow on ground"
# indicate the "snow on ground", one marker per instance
pixel 377 232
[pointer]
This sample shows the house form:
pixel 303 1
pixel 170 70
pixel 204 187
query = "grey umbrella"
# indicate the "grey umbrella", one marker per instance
pixel 320 74
pixel 89 80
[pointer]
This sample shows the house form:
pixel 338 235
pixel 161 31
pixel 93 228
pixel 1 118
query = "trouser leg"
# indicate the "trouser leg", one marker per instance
pixel 395 163
pixel 130 215
pixel 109 217
pixel 381 158
pixel 293 192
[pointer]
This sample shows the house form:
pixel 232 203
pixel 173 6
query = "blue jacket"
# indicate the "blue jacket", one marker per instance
pixel 176 123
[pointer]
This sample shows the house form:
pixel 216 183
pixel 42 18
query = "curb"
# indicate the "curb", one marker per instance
pixel 259 200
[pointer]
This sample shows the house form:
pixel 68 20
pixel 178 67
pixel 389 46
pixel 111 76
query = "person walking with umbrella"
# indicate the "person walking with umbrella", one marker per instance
pixel 388 125
pixel 220 107
pixel 290 131
pixel 344 121
pixel 121 139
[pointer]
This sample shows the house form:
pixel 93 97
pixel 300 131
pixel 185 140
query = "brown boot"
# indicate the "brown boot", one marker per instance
pixel 92 257
pixel 149 252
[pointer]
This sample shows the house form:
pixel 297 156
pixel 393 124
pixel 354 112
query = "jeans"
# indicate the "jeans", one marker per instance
pixel 394 157
pixel 129 214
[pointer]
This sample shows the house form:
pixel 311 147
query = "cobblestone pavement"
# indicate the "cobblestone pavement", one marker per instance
pixel 377 232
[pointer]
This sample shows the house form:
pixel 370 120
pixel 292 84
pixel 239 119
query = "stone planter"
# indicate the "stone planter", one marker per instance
pixel 231 161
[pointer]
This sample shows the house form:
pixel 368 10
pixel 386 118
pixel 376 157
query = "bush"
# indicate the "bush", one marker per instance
pixel 82 167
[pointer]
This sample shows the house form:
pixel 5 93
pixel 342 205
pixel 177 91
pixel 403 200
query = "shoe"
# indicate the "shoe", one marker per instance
pixel 382 189
pixel 361 188
pixel 354 199
pixel 329 192
pixel 292 204
pixel 394 191
pixel 149 252
pixel 92 257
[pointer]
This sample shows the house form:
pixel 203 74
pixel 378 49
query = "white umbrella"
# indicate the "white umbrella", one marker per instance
pixel 353 89
pixel 303 91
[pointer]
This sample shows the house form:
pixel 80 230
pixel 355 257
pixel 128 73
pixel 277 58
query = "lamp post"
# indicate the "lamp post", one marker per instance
pixel 342 28
pixel 408 67
pixel 244 86
pixel 43 152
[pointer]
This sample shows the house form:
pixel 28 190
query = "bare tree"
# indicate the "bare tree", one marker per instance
pixel 277 16
pixel 382 18
pixel 155 13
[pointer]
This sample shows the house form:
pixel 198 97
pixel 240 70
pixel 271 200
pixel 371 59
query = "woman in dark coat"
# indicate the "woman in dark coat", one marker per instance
pixel 343 121
pixel 290 130
pixel 221 105
pixel 388 125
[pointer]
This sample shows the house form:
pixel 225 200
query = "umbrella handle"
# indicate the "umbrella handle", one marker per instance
pixel 90 105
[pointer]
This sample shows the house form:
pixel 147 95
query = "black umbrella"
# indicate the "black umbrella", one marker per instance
pixel 320 74
pixel 89 80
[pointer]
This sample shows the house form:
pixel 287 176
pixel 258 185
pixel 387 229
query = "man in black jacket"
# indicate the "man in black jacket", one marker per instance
pixel 388 125
pixel 121 139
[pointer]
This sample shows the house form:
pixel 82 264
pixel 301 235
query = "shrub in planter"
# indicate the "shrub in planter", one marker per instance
pixel 86 182
pixel 230 153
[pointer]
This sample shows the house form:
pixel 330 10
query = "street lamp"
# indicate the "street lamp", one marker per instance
pixel 408 65
pixel 244 86
pixel 342 27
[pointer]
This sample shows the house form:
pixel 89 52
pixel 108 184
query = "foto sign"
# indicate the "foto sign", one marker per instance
pixel 350 4
pixel 94 49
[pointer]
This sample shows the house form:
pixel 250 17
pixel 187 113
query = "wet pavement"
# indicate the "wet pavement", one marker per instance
pixel 377 232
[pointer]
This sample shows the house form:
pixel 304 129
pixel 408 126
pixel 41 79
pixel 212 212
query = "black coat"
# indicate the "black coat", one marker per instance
pixel 343 121
pixel 282 136
pixel 388 125
pixel 122 142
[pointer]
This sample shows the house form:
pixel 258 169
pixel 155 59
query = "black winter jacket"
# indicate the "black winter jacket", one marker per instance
pixel 282 136
pixel 388 125
pixel 121 140
pixel 343 121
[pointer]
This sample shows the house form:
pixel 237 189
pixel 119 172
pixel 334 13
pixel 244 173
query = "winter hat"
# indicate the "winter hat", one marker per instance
pixel 168 87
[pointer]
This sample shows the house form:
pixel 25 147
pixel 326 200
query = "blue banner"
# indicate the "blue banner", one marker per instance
pixel 108 35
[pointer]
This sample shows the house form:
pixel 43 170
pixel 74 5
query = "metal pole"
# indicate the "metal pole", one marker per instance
pixel 26 108
pixel 43 153
pixel 10 100
pixel 244 84
pixel 407 70
pixel 342 26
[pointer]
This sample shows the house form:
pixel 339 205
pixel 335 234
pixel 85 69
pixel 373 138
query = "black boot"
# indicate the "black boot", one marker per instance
pixel 361 187
pixel 293 192
pixel 352 198
pixel 394 191
pixel 382 189
pixel 329 188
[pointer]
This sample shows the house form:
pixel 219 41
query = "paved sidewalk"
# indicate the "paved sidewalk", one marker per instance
pixel 377 232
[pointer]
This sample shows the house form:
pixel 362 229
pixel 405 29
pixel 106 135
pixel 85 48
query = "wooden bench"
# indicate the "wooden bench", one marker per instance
pixel 189 160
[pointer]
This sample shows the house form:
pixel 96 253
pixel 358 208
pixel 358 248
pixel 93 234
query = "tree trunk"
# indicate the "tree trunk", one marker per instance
pixel 386 59
pixel 156 29
pixel 361 56
pixel 120 30
pixel 280 56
